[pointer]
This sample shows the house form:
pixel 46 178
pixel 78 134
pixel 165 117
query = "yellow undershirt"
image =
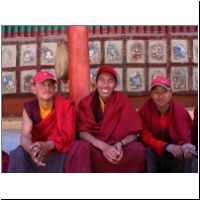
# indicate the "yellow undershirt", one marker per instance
pixel 44 112
pixel 102 104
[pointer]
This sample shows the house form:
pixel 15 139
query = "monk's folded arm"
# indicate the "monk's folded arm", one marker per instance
pixel 94 141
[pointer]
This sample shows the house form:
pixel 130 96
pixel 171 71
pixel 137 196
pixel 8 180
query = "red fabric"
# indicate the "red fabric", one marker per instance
pixel 178 127
pixel 58 126
pixel 5 162
pixel 194 130
pixel 120 118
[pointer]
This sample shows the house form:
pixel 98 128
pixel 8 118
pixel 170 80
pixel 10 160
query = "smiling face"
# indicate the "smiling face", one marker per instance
pixel 106 84
pixel 44 90
pixel 161 96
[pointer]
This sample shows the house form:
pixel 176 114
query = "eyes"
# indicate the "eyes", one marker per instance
pixel 103 81
pixel 50 84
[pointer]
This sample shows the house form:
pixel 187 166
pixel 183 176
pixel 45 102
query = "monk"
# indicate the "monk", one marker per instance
pixel 194 131
pixel 109 123
pixel 166 131
pixel 48 129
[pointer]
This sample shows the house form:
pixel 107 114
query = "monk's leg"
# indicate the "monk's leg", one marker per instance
pixel 78 158
pixel 20 162
pixel 151 162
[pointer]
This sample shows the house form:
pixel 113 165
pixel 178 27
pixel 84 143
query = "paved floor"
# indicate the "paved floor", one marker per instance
pixel 10 139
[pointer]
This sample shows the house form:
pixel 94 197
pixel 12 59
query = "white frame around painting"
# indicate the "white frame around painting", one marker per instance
pixel 28 54
pixel 8 82
pixel 95 52
pixel 179 79
pixel 135 79
pixel 113 51
pixel 9 53
pixel 157 51
pixel 195 51
pixel 195 78
pixel 135 51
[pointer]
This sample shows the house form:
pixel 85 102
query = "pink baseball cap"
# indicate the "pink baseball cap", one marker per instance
pixel 107 68
pixel 162 81
pixel 42 76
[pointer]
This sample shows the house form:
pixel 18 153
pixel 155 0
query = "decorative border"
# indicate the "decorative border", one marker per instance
pixel 8 82
pixel 9 55
pixel 25 80
pixel 95 52
pixel 28 55
pixel 48 51
pixel 135 79
pixel 113 51
pixel 154 72
pixel 179 79
pixel 135 51
pixel 179 51
pixel 157 51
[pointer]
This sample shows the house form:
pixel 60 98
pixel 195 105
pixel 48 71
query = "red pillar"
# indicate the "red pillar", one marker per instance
pixel 79 70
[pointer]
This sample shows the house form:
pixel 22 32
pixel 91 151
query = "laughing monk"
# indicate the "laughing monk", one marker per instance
pixel 109 123
pixel 166 131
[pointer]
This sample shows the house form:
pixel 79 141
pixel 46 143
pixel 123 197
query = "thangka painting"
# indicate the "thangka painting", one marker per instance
pixel 8 82
pixel 179 79
pixel 135 51
pixel 135 80
pixel 48 51
pixel 28 55
pixel 26 80
pixel 179 51
pixel 113 52
pixel 93 74
pixel 9 56
pixel 195 79
pixel 157 51
pixel 195 51
pixel 155 72
pixel 95 52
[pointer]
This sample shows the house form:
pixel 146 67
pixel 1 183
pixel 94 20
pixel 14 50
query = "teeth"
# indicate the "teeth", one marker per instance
pixel 104 91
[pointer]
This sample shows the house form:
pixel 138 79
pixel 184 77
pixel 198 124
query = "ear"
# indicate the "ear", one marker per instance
pixel 33 88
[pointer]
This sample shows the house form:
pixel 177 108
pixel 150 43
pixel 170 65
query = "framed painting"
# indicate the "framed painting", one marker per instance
pixel 155 72
pixel 179 51
pixel 113 51
pixel 135 80
pixel 95 52
pixel 119 79
pixel 8 82
pixel 157 51
pixel 135 51
pixel 25 80
pixel 195 51
pixel 28 55
pixel 93 74
pixel 179 79
pixel 48 51
pixel 195 79
pixel 9 54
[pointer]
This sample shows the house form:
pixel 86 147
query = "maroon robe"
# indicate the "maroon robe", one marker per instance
pixel 5 162
pixel 179 125
pixel 58 126
pixel 119 120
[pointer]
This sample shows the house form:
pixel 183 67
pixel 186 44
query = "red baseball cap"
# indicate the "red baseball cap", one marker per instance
pixel 42 76
pixel 107 68
pixel 162 81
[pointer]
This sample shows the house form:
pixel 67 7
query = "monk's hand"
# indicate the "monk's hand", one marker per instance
pixel 175 150
pixel 118 146
pixel 38 154
pixel 189 150
pixel 110 153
